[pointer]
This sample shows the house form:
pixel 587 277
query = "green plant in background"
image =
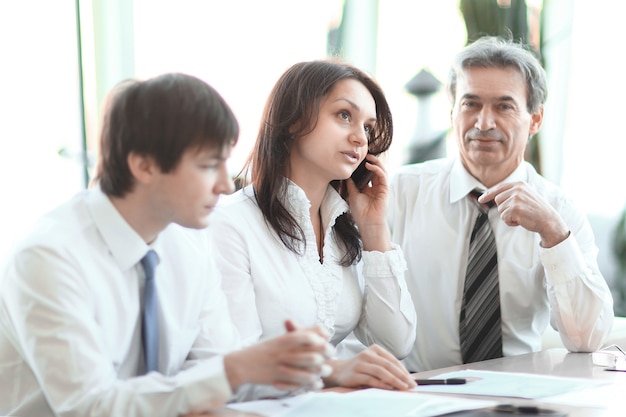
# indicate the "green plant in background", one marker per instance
pixel 619 250
pixel 508 18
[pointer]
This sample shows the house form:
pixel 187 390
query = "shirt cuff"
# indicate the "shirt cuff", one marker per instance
pixel 563 261
pixel 383 264
pixel 206 385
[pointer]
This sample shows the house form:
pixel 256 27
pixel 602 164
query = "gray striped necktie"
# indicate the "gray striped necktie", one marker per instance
pixel 480 328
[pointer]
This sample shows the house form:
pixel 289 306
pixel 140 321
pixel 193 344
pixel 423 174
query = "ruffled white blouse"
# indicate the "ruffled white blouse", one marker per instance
pixel 266 283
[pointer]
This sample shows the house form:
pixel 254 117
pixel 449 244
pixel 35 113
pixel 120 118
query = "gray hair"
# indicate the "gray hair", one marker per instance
pixel 493 51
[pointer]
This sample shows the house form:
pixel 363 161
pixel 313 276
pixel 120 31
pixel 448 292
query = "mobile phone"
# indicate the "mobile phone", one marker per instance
pixel 361 175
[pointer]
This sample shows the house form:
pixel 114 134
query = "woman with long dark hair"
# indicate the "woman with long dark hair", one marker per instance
pixel 307 239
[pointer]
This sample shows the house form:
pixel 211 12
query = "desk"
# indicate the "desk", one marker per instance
pixel 555 362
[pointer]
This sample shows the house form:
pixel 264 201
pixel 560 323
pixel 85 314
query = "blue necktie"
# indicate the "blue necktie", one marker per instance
pixel 150 313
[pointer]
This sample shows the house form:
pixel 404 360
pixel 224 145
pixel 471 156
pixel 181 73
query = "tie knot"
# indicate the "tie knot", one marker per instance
pixel 149 262
pixel 474 194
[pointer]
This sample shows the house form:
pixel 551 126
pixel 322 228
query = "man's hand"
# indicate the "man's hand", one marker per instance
pixel 519 205
pixel 291 361
pixel 373 367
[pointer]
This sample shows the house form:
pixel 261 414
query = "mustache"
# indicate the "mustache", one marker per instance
pixel 484 134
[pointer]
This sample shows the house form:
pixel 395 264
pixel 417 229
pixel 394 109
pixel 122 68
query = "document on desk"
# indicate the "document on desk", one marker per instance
pixel 370 402
pixel 600 397
pixel 510 384
pixel 271 408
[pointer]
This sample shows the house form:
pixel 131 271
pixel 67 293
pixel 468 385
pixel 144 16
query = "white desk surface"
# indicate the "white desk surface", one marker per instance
pixel 555 362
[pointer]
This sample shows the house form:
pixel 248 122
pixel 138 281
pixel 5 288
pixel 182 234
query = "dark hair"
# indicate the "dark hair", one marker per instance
pixel 494 51
pixel 162 117
pixel 291 112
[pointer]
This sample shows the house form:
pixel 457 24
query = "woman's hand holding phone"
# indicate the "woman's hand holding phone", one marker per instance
pixel 369 205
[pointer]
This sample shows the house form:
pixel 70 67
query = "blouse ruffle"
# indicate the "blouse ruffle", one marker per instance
pixel 325 278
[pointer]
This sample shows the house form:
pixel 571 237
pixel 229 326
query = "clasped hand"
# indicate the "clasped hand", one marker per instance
pixel 291 361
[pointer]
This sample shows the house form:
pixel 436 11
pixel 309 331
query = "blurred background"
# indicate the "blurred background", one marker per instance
pixel 59 58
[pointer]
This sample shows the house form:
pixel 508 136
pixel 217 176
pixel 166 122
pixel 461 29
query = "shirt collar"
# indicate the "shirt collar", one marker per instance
pixel 462 182
pixel 124 243
pixel 333 205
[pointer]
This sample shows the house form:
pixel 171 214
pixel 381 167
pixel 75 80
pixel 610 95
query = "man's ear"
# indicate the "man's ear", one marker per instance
pixel 142 167
pixel 536 119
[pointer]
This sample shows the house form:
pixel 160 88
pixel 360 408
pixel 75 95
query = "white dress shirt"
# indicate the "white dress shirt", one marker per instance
pixel 431 218
pixel 70 340
pixel 266 283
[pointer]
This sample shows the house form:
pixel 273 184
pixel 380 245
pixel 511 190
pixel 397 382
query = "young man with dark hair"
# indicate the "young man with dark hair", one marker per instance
pixel 112 306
